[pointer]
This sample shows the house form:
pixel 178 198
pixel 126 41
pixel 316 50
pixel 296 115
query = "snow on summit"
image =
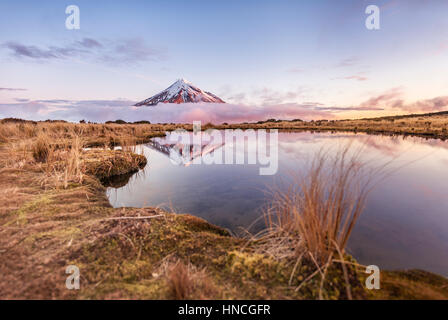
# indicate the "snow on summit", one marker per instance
pixel 181 91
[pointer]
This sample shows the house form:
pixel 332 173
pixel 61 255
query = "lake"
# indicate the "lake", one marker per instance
pixel 405 223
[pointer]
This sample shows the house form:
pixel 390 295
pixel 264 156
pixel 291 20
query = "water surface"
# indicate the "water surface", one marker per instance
pixel 405 224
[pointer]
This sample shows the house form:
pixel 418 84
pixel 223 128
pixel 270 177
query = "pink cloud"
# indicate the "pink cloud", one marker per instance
pixel 356 77
pixel 232 113
pixel 392 99
pixel 383 99
pixel 101 111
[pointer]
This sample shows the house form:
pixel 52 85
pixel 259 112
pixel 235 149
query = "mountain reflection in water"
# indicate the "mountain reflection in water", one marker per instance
pixel 405 223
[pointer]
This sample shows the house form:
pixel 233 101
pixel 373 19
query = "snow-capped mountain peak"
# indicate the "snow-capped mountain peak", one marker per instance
pixel 181 91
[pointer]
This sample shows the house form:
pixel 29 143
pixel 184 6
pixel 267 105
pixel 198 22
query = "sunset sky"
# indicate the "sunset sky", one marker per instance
pixel 277 59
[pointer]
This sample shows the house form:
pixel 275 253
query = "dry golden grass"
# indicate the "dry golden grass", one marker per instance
pixel 58 133
pixel 50 192
pixel 41 149
pixel 56 148
pixel 180 282
pixel 425 125
pixel 313 218
pixel 112 134
pixel 318 211
pixel 185 281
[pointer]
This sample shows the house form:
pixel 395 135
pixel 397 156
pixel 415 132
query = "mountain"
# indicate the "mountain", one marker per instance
pixel 181 91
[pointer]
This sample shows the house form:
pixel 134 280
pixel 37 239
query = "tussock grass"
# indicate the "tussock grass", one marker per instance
pixel 58 147
pixel 41 149
pixel 319 211
pixel 180 281
pixel 185 281
pixel 314 217
pixel 94 135
pixel 72 162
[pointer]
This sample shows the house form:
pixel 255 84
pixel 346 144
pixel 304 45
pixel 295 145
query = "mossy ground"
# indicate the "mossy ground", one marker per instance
pixel 411 284
pixel 131 259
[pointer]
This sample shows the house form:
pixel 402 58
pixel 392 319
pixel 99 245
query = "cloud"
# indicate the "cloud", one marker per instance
pixel 359 108
pixel 392 99
pixel 238 97
pixel 384 99
pixel 104 110
pixel 356 77
pixel 296 70
pixel 53 101
pixel 348 62
pixel 131 50
pixel 89 43
pixel 110 52
pixel 265 96
pixel 244 113
pixel 270 96
pixel 428 105
pixel 360 76
pixel 20 50
pixel 12 89
pixel 28 110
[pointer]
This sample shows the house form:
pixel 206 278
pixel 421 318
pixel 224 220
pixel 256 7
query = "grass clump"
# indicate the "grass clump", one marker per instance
pixel 41 149
pixel 311 221
pixel 185 281
pixel 319 211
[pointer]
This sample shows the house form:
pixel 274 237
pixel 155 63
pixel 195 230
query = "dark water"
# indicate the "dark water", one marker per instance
pixel 405 224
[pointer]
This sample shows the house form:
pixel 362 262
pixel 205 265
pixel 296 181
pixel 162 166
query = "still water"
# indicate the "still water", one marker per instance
pixel 404 226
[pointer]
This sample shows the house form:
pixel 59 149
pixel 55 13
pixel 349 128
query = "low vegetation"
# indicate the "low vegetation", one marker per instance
pixel 430 125
pixel 55 213
pixel 312 220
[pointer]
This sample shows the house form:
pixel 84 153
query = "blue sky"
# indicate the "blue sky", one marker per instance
pixel 315 55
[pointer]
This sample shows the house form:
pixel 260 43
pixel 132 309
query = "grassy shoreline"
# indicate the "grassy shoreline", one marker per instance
pixel 55 213
pixel 429 125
